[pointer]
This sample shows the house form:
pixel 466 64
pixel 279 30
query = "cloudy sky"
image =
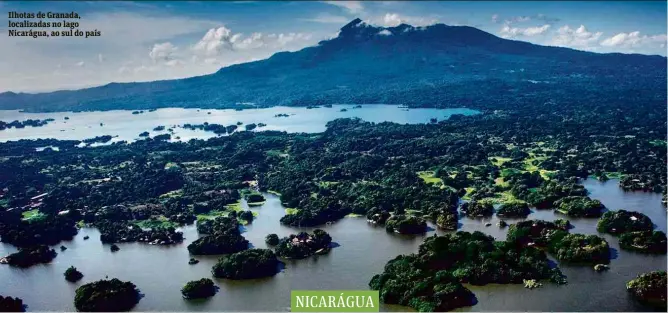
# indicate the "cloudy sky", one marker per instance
pixel 143 41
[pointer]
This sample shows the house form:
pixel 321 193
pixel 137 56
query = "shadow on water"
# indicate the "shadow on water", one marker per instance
pixel 280 267
pixel 430 229
pixel 614 254
pixel 334 245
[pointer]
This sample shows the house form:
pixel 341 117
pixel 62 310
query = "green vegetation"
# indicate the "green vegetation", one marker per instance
pixel 106 296
pixel 154 223
pixel 377 216
pixel 535 232
pixel 249 264
pixel 644 241
pixel 578 248
pixel 478 208
pixel 514 209
pixel 9 304
pixel 33 215
pixel 431 280
pixel 446 220
pixel 30 256
pixel 303 245
pixel 579 206
pixel 222 237
pixel 271 239
pixel 72 274
pixel 198 289
pixel 406 224
pixel 649 288
pixel 622 221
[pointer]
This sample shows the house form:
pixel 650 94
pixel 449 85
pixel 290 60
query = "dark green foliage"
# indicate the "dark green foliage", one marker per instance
pixel 246 216
pixel 223 237
pixel 431 280
pixel 114 248
pixel 249 264
pixel 478 208
pixel 402 283
pixel 579 206
pixel 197 289
pixel 303 244
pixel 622 221
pixel 271 239
pixel 578 248
pixel 254 197
pixel 49 231
pixel 564 224
pixel 535 232
pixel 644 241
pixel 30 256
pixel 106 296
pixel 9 304
pixel 649 288
pixel 406 224
pixel 72 274
pixel 447 221
pixel 514 209
pixel 377 216
pixel 112 232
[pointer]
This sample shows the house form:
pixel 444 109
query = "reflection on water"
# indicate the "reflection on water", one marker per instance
pixel 128 126
pixel 160 272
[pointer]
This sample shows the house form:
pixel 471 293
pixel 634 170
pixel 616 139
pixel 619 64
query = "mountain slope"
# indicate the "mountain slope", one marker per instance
pixel 437 65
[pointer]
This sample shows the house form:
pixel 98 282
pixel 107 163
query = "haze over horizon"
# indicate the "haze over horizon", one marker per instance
pixel 158 41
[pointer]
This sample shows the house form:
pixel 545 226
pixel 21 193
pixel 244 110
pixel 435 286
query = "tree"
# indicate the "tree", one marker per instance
pixel 72 274
pixel 649 288
pixel 106 296
pixel 271 239
pixel 197 289
pixel 248 264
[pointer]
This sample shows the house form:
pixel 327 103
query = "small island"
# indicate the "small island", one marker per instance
pixel 223 237
pixel 303 245
pixel 406 224
pixel 622 221
pixel 535 232
pixel 9 304
pixel 111 295
pixel 271 239
pixel 650 289
pixel 514 209
pixel 27 257
pixel 248 264
pixel 72 274
pixel 644 241
pixel 199 289
pixel 443 263
pixel 579 206
pixel 281 115
pixel 478 208
pixel 583 249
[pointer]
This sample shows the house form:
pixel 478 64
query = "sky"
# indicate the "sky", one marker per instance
pixel 146 41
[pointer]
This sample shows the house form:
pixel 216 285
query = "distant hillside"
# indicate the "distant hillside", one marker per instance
pixel 438 65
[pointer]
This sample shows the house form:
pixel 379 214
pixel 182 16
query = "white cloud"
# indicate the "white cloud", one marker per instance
pixel 495 18
pixel 214 41
pixel 511 32
pixel 100 57
pixel 328 19
pixel 576 38
pixel 633 40
pixel 80 64
pixel 162 52
pixel 353 7
pixel 394 19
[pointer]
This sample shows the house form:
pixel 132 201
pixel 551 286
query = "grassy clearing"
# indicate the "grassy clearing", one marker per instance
pixel 469 191
pixel 354 215
pixel 256 203
pixel 501 197
pixel 32 215
pixel 291 211
pixel 326 184
pixel 172 194
pixel 274 192
pixel 159 222
pixel 212 214
pixel 234 207
pixel 428 177
pixel 498 160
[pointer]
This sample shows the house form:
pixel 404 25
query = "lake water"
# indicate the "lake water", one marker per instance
pixel 160 272
pixel 128 126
